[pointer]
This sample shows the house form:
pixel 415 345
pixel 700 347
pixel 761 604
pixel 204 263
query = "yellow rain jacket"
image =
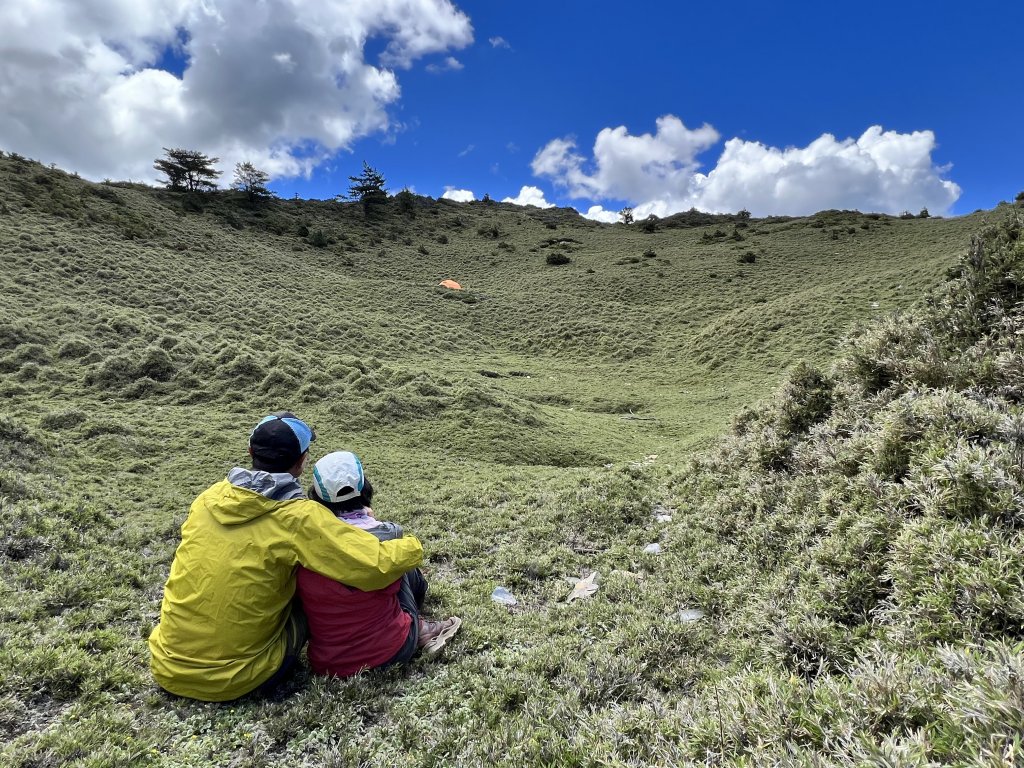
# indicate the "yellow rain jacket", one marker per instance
pixel 227 600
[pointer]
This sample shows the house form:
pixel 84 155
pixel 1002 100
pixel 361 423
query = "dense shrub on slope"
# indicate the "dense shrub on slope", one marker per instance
pixel 864 540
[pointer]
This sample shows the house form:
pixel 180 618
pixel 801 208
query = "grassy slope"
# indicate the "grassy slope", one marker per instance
pixel 142 342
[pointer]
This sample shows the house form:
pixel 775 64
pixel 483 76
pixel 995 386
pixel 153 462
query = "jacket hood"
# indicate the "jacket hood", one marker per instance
pixel 247 495
pixel 277 486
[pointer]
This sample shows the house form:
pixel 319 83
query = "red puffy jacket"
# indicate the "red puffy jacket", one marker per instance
pixel 350 630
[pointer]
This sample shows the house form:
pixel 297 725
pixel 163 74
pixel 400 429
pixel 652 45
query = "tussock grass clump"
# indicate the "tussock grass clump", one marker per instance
pixel 464 296
pixel 66 419
pixel 17 332
pixel 74 347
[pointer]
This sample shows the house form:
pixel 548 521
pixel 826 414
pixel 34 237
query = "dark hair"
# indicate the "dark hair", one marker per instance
pixel 261 464
pixel 364 499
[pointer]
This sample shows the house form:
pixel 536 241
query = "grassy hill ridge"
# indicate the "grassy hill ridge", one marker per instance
pixel 237 299
pixel 532 432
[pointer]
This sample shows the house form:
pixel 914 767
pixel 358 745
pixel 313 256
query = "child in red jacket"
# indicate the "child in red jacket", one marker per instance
pixel 351 630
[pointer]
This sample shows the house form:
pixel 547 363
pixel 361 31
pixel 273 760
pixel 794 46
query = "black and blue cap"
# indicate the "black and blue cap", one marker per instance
pixel 281 438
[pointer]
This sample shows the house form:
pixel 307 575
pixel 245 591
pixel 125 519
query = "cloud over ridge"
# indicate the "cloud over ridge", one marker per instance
pixel 458 195
pixel 659 173
pixel 529 195
pixel 284 84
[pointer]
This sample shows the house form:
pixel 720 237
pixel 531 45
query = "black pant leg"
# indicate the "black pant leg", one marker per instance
pixel 410 597
pixel 296 634
pixel 414 588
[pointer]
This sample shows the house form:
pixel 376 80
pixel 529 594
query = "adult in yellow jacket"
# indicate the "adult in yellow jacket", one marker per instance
pixel 228 625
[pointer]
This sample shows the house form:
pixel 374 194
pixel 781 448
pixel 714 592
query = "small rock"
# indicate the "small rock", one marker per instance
pixel 664 518
pixel 652 549
pixel 686 615
pixel 503 596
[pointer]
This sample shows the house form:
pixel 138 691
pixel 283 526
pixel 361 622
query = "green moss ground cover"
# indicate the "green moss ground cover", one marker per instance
pixel 853 543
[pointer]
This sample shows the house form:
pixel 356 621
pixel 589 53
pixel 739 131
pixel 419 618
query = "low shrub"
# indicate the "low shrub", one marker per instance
pixel 192 203
pixel 805 400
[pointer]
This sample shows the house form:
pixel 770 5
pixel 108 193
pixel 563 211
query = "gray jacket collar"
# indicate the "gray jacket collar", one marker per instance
pixel 279 486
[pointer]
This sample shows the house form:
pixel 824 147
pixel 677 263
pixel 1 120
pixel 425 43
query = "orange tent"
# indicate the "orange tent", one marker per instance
pixel 450 284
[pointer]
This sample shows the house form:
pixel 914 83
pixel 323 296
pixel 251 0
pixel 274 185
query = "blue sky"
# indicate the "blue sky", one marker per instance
pixel 721 106
pixel 778 73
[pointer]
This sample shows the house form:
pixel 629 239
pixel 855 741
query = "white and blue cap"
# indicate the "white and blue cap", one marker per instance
pixel 338 476
pixel 281 438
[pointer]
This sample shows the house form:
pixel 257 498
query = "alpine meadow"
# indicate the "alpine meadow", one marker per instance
pixel 819 421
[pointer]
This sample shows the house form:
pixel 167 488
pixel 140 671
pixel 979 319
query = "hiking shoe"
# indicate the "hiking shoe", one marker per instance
pixel 434 634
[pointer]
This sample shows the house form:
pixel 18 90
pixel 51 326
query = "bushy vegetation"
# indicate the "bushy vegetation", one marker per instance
pixel 839 578
pixel 862 534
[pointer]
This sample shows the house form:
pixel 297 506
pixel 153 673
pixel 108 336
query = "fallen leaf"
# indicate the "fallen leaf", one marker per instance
pixel 583 587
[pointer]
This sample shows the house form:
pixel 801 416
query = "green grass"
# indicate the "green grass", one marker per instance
pixel 853 541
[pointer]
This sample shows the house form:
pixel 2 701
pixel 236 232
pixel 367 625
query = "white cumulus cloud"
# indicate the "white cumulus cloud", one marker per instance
pixel 458 195
pixel 598 213
pixel 450 64
pixel 284 84
pixel 628 166
pixel 530 196
pixel 881 170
